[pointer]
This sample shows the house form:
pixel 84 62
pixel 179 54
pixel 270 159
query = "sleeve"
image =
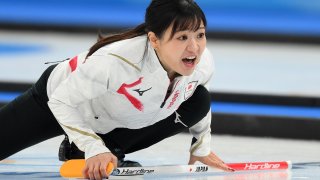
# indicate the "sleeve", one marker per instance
pixel 201 142
pixel 88 81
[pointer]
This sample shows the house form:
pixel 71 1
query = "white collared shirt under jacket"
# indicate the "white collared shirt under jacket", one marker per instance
pixel 95 95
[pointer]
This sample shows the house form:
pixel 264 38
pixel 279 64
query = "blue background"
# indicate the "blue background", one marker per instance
pixel 280 17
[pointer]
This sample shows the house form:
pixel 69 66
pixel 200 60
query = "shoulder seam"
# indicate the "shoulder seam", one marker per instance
pixel 126 61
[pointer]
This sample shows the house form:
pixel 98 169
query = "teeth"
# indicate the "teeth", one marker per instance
pixel 191 57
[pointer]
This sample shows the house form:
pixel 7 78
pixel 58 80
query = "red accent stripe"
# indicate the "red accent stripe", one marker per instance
pixel 134 101
pixel 73 63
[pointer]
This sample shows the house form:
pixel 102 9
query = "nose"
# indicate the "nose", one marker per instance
pixel 193 45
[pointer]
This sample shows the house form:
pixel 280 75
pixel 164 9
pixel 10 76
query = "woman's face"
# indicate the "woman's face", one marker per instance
pixel 182 53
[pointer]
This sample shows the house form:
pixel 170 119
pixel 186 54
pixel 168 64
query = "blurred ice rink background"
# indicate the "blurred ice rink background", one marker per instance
pixel 267 61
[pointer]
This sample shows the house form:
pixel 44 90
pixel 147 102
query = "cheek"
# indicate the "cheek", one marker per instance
pixel 175 52
pixel 179 50
pixel 202 46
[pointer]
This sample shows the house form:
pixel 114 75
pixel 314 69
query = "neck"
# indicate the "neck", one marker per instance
pixel 171 74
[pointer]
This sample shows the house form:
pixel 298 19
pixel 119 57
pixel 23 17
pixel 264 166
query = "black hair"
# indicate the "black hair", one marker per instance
pixel 160 14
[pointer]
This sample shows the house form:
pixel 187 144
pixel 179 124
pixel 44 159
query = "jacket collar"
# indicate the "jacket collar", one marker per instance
pixel 132 51
pixel 152 61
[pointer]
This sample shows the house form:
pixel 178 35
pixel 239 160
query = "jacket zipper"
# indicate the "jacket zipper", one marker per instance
pixel 169 91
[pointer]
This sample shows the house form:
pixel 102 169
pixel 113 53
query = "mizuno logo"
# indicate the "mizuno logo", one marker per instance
pixel 178 120
pixel 142 91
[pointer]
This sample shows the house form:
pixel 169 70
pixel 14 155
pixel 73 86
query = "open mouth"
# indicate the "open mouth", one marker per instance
pixel 189 60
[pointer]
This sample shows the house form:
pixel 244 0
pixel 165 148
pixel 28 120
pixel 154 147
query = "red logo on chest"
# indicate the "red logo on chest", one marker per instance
pixel 174 98
pixel 134 101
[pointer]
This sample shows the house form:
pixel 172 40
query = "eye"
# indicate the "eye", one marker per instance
pixel 183 37
pixel 201 35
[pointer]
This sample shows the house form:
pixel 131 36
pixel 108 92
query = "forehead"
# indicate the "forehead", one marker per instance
pixel 192 27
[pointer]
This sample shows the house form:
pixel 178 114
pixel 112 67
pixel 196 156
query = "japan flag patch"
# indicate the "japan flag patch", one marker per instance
pixel 189 89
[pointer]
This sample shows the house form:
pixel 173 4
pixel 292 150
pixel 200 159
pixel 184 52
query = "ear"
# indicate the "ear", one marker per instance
pixel 153 40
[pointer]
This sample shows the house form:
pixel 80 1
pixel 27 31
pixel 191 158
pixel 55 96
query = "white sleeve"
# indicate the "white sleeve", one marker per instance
pixel 88 81
pixel 202 130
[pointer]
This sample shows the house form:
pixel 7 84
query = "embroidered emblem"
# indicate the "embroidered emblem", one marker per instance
pixel 189 89
pixel 140 92
pixel 178 120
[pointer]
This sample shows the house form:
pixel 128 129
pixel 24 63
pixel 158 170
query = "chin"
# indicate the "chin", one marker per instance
pixel 187 73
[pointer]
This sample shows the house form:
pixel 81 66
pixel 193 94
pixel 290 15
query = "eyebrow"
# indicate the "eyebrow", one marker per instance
pixel 202 27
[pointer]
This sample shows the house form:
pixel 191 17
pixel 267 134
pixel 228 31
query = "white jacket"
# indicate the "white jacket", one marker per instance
pixel 96 95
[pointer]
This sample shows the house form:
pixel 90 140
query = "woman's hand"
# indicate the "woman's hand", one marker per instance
pixel 96 166
pixel 211 160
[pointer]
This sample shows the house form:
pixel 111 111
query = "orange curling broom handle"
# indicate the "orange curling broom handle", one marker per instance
pixel 73 168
